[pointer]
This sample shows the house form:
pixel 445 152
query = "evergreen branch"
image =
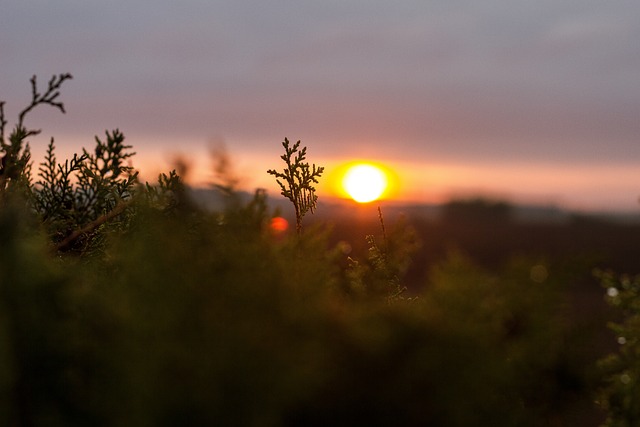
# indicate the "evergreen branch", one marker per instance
pixel 48 98
pixel 93 224
pixel 297 179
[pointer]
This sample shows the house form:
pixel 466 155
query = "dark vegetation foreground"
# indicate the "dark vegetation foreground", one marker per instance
pixel 123 303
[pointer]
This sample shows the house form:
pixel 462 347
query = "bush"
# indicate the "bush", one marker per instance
pixel 197 323
pixel 125 304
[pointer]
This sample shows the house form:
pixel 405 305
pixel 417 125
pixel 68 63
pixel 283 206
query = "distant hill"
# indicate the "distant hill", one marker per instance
pixel 481 209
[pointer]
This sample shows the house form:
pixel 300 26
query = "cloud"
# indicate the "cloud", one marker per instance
pixel 485 81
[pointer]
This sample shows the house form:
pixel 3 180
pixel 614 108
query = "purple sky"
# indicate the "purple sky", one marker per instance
pixel 537 101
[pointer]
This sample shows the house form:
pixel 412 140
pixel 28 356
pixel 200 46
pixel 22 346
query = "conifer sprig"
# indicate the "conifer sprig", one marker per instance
pixel 16 155
pixel 48 98
pixel 297 179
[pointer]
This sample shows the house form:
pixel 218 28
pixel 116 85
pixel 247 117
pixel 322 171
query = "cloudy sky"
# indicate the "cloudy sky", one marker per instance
pixel 535 101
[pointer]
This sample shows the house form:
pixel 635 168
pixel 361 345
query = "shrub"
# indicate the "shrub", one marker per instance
pixel 125 304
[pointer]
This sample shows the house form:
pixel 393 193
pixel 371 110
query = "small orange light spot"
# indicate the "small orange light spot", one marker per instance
pixel 279 224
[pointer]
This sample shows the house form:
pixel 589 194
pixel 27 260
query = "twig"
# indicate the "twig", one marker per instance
pixel 3 123
pixel 384 230
pixel 49 98
pixel 93 224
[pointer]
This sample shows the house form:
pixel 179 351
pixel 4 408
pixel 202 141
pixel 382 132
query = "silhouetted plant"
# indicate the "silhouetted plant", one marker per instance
pixel 167 193
pixel 225 180
pixel 82 199
pixel 297 180
pixel 15 164
pixel 75 198
pixel 386 263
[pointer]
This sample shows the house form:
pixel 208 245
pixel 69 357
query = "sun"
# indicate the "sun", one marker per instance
pixel 365 182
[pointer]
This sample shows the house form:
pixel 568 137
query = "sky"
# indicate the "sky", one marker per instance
pixel 536 102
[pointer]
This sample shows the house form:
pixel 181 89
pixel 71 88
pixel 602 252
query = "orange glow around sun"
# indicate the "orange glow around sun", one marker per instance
pixel 364 182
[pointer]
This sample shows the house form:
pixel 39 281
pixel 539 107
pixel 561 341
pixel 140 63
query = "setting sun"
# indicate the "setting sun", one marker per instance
pixel 365 182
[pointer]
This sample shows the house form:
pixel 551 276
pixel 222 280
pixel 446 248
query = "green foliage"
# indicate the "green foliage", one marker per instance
pixel 15 169
pixel 298 179
pixel 46 364
pixel 169 195
pixel 75 198
pixel 125 304
pixel 85 199
pixel 525 322
pixel 387 262
pixel 189 320
pixel 71 199
pixel 620 395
